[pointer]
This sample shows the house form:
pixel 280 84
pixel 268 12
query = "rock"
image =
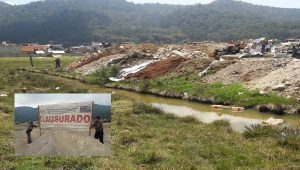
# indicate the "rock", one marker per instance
pixel 3 95
pixel 238 109
pixel 279 87
pixel 185 95
pixel 287 84
pixel 262 92
pixel 273 122
pixel 57 88
pixel 220 107
pixel 181 54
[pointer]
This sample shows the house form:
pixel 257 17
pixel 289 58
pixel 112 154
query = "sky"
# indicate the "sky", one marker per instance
pixel 33 100
pixel 274 3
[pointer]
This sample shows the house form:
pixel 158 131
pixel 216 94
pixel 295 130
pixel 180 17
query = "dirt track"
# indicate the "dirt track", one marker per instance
pixel 61 143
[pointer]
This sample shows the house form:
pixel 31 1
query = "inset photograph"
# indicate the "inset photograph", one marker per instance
pixel 62 125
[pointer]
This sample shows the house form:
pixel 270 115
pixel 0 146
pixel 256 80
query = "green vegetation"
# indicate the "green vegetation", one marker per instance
pixel 286 137
pixel 143 136
pixel 102 75
pixel 120 21
pixel 235 94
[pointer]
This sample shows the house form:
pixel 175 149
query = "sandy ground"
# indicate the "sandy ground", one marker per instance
pixel 287 76
pixel 23 149
pixel 243 70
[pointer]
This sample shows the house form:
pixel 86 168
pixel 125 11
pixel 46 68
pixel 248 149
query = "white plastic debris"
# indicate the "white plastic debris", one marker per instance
pixel 208 68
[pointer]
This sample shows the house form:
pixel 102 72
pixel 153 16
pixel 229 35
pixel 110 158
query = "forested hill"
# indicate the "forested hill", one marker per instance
pixel 120 21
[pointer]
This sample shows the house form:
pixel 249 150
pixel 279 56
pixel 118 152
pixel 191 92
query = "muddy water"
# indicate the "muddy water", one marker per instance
pixel 202 112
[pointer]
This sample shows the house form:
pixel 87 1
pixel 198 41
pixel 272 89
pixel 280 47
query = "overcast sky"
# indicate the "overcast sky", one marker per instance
pixel 275 3
pixel 33 100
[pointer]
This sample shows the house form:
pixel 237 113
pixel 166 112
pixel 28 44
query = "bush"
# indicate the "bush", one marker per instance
pixel 102 75
pixel 221 123
pixel 290 138
pixel 139 108
pixel 286 137
pixel 257 131
pixel 189 119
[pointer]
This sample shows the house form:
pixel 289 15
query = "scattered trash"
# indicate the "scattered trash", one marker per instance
pixel 57 88
pixel 204 72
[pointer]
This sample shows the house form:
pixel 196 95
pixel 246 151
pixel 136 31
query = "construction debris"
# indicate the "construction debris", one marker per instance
pixel 259 64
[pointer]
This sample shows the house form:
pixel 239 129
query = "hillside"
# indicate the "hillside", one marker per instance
pixel 72 21
pixel 26 114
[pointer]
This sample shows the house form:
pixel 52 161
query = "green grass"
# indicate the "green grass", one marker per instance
pixel 235 94
pixel 102 75
pixel 144 137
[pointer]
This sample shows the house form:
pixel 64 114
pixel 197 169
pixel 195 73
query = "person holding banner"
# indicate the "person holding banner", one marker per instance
pixel 28 132
pixel 98 125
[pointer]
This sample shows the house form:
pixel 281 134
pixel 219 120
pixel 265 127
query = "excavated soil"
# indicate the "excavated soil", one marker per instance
pixel 243 70
pixel 192 67
pixel 158 69
pixel 129 55
pixel 285 80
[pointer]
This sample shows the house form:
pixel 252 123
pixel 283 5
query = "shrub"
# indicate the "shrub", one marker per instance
pixel 102 75
pixel 290 138
pixel 139 108
pixel 257 131
pixel 189 119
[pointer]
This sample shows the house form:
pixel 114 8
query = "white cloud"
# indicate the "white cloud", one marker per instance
pixel 33 100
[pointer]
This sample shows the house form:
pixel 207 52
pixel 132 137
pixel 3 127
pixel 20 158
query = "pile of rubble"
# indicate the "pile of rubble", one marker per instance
pixel 285 80
pixel 243 70
pixel 260 47
pixel 134 58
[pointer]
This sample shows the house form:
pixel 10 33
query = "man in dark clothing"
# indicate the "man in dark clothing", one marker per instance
pixel 99 129
pixel 263 48
pixel 294 52
pixel 28 132
pixel 57 63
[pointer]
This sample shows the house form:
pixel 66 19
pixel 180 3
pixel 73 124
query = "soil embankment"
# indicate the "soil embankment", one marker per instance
pixel 158 69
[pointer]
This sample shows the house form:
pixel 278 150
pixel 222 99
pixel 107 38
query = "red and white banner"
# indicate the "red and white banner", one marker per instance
pixel 69 115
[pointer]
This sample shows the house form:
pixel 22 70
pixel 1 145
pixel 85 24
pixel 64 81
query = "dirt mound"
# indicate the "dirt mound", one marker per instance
pixel 243 70
pixel 130 55
pixel 158 69
pixel 284 80
pixel 99 63
pixel 65 143
pixel 192 67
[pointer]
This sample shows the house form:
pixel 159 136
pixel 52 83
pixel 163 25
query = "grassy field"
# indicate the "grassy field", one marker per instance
pixel 144 137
